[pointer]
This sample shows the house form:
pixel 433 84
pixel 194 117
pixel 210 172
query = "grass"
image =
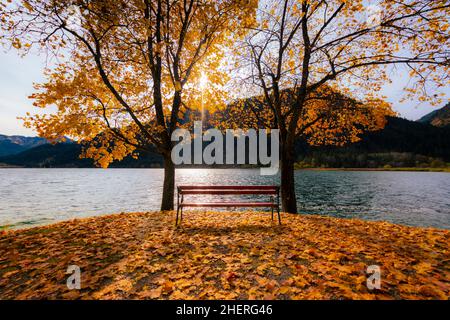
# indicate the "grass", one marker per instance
pixel 419 169
pixel 5 227
pixel 224 255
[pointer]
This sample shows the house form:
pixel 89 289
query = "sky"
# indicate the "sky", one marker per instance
pixel 18 74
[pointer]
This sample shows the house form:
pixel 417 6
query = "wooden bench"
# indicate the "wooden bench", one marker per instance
pixel 272 191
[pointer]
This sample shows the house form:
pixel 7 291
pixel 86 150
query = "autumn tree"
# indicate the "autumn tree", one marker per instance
pixel 125 71
pixel 304 57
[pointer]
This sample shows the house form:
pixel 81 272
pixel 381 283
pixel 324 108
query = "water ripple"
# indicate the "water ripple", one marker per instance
pixel 35 196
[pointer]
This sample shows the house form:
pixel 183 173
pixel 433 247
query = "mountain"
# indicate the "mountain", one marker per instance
pixel 67 155
pixel 401 135
pixel 402 143
pixel 10 145
pixel 7 148
pixel 438 118
pixel 49 156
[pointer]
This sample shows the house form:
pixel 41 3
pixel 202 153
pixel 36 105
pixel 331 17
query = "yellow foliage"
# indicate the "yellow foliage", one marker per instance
pixel 125 95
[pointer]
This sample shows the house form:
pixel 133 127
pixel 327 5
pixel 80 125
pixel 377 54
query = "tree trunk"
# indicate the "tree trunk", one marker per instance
pixel 169 184
pixel 288 199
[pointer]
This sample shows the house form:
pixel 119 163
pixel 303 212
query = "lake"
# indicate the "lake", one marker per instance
pixel 39 196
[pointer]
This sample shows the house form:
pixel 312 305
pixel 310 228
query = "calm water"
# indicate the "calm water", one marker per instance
pixel 37 196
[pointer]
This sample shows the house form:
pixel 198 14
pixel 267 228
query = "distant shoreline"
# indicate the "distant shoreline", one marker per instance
pixel 405 169
pixel 411 169
pixel 8 166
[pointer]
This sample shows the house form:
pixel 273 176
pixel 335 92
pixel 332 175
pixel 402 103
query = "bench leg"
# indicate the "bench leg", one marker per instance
pixel 279 218
pixel 272 200
pixel 178 207
pixel 278 208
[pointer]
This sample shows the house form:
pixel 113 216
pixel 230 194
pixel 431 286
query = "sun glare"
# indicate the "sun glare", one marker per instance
pixel 203 81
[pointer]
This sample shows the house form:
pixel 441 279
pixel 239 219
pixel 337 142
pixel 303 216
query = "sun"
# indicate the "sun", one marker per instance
pixel 203 81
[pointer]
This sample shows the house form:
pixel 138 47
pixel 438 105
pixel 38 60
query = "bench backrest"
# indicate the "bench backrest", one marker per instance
pixel 238 189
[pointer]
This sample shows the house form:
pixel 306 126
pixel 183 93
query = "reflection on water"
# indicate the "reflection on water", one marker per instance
pixel 35 196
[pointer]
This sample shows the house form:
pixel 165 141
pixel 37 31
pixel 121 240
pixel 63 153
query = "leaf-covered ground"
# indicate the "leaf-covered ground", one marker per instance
pixel 224 256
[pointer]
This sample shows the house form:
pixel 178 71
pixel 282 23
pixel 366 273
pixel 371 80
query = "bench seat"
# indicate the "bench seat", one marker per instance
pixel 220 192
pixel 229 204
pixel 272 191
